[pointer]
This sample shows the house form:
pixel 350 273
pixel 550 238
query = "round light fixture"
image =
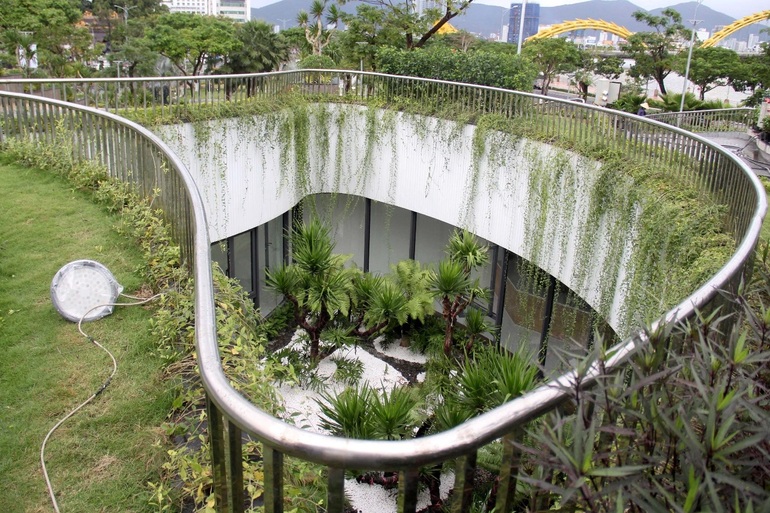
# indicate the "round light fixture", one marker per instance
pixel 84 289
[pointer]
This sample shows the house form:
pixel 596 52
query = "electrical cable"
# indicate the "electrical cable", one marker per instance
pixel 94 395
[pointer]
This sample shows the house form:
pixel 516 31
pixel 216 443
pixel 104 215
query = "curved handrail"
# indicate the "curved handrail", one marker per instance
pixel 339 452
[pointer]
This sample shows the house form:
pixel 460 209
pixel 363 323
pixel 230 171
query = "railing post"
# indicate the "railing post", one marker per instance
pixel 509 470
pixel 273 468
pixel 464 472
pixel 407 490
pixel 218 458
pixel 335 495
pixel 235 466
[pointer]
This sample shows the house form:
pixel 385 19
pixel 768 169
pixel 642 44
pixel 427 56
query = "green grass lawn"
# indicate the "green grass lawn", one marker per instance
pixel 101 459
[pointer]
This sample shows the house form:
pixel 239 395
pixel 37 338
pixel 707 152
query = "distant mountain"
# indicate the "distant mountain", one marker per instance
pixel 483 20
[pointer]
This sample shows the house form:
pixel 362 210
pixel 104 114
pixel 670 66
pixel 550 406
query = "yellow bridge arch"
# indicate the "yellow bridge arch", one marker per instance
pixel 736 25
pixel 618 30
pixel 569 26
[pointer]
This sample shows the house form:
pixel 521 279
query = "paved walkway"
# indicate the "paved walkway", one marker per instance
pixel 756 155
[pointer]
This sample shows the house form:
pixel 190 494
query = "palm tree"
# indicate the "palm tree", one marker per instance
pixel 260 50
pixel 312 22
pixel 453 284
pixel 317 283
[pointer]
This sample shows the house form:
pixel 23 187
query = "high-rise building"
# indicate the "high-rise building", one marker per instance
pixel 235 9
pixel 531 21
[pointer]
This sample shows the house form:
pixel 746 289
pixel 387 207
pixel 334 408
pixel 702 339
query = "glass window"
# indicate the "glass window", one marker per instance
pixel 389 241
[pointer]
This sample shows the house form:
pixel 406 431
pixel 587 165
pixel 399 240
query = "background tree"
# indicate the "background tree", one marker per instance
pixel 51 24
pixel 260 49
pixel 551 57
pixel 315 32
pixel 190 41
pixel 484 68
pixel 711 68
pixel 366 31
pixel 418 28
pixel 592 64
pixel 655 52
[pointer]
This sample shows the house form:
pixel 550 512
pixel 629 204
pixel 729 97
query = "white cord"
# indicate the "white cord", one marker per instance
pixel 93 396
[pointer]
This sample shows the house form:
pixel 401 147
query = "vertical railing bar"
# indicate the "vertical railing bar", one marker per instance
pixel 509 470
pixel 335 497
pixel 462 497
pixel 216 431
pixel 235 467
pixel 407 490
pixel 273 479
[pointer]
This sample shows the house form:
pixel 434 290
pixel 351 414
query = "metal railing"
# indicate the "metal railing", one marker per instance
pixel 717 120
pixel 132 153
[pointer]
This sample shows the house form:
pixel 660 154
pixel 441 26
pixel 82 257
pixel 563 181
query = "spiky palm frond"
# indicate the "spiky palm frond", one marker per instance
pixel 464 247
pixel 450 280
pixel 387 304
pixel 312 247
pixel 284 280
pixel 348 413
pixel 392 414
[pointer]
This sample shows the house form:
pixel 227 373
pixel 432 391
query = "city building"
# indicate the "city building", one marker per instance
pixel 531 21
pixel 238 10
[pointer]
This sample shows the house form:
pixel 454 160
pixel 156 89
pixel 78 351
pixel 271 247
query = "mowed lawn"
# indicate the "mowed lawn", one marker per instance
pixel 101 459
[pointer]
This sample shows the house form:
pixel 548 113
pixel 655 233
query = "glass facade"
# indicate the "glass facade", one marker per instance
pixel 529 306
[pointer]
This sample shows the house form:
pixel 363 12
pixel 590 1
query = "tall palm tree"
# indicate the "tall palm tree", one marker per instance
pixel 312 22
pixel 453 284
pixel 318 284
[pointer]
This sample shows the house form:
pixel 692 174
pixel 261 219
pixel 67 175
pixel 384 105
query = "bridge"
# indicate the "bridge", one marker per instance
pixel 614 28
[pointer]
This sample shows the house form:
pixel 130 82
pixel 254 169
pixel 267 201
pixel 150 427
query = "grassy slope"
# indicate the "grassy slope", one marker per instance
pixel 100 459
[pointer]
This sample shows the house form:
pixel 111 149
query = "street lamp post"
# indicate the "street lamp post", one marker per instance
pixel 125 10
pixel 521 27
pixel 361 55
pixel 689 59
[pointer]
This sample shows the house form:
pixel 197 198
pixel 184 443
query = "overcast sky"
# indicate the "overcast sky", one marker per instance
pixel 734 8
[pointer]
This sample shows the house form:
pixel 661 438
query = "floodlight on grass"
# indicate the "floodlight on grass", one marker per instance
pixel 84 290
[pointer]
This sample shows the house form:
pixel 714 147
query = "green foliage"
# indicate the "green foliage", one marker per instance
pixel 712 67
pixel 453 285
pixel 191 41
pixel 348 371
pixel 681 430
pixel 260 49
pixel 361 412
pixel 483 68
pixel 550 57
pixel 654 51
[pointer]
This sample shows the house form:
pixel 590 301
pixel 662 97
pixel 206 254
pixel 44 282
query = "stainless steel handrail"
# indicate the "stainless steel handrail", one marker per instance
pixel 278 437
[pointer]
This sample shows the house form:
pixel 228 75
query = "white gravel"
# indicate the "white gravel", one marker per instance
pixel 303 411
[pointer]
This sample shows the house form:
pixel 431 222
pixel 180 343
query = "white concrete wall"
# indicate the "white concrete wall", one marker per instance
pixel 245 171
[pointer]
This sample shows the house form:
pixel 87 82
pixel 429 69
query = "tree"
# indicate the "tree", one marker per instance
pixel 484 68
pixel 317 283
pixel 366 31
pixel 654 52
pixel 552 56
pixel 418 28
pixel 712 67
pixel 591 64
pixel 312 22
pixel 453 283
pixel 260 49
pixel 191 41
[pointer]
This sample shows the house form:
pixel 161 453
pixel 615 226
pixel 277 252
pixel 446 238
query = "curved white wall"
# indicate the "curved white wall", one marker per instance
pixel 526 196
